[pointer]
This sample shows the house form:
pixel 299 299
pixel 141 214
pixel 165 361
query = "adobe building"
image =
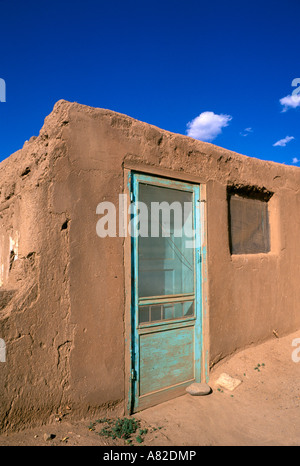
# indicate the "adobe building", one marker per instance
pixel 126 320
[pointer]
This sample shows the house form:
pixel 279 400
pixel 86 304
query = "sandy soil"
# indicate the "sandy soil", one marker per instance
pixel 263 410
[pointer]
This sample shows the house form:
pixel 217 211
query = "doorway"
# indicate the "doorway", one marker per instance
pixel 166 312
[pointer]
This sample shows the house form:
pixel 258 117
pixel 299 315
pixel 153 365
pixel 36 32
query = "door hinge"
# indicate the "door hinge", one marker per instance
pixel 133 374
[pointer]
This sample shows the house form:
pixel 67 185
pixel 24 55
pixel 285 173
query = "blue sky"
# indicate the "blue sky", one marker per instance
pixel 217 69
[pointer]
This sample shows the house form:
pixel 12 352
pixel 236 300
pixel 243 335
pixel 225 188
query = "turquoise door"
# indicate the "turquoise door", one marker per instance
pixel 166 311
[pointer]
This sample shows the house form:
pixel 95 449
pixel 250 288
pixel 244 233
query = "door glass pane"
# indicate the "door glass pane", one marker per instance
pixel 166 253
pixel 188 309
pixel 178 310
pixel 155 313
pixel 169 311
pixel 144 314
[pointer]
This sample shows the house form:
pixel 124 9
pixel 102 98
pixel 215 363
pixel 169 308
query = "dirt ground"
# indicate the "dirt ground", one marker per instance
pixel 263 410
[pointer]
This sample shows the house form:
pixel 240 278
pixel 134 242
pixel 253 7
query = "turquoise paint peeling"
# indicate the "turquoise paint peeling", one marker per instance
pixel 129 182
pixel 165 361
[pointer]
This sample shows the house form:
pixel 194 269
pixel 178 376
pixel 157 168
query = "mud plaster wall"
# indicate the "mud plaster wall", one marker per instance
pixel 62 311
pixel 34 306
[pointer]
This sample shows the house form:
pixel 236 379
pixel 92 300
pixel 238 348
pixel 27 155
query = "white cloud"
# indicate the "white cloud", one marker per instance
pixel 295 160
pixel 207 126
pixel 283 142
pixel 290 101
pixel 246 132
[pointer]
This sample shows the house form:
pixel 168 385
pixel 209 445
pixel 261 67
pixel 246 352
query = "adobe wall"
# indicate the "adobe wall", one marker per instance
pixel 63 290
pixel 34 299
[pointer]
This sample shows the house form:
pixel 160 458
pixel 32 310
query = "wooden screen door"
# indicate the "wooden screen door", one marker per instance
pixel 166 313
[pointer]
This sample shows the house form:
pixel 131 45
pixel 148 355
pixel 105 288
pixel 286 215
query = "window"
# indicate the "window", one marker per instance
pixel 249 230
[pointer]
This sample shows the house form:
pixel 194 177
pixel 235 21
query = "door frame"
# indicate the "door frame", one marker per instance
pixel 202 285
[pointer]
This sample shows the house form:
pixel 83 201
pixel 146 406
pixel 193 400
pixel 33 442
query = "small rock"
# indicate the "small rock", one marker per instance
pixel 228 382
pixel 198 389
pixel 48 437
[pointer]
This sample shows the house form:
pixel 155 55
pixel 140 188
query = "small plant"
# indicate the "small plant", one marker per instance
pixel 91 426
pixel 101 421
pixel 127 429
pixel 143 431
pixel 258 366
pixel 122 428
